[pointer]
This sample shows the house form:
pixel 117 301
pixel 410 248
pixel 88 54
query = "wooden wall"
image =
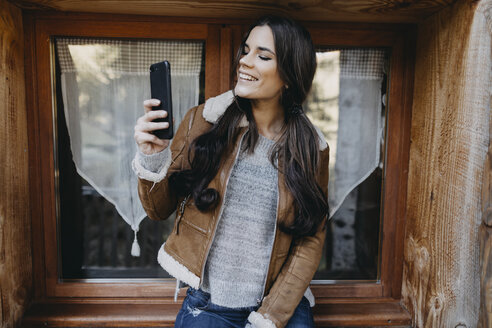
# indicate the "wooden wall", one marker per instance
pixel 450 138
pixel 345 11
pixel 15 232
pixel 485 319
pixel 449 141
pixel 486 242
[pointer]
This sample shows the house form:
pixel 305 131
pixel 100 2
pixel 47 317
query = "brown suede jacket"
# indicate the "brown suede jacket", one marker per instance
pixel 293 262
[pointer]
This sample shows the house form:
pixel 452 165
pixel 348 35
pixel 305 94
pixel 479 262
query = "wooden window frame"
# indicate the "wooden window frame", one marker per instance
pixel 339 304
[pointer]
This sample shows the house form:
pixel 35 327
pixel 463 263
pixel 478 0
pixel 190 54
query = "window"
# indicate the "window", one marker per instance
pixel 102 84
pixel 346 104
pixel 374 286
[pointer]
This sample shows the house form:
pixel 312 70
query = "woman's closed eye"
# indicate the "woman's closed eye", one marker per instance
pixel 265 58
pixel 262 57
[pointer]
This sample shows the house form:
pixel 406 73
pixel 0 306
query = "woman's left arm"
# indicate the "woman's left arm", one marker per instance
pixel 297 272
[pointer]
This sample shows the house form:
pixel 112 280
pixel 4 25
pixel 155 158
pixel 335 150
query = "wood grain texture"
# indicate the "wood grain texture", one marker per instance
pixel 485 317
pixel 449 140
pixel 163 315
pixel 15 232
pixel 328 10
pixel 486 188
pixel 225 58
pixel 212 62
pixel 396 164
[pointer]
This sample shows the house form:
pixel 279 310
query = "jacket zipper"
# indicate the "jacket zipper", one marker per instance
pixel 181 211
pixel 221 207
pixel 273 243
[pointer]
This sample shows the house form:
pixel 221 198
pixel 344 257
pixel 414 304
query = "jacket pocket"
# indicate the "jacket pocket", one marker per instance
pixel 194 218
pixel 194 226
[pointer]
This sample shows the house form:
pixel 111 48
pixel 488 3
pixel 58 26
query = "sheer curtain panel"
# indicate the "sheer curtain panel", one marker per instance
pixel 103 83
pixel 346 105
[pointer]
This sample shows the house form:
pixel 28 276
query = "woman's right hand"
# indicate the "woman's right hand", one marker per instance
pixel 147 142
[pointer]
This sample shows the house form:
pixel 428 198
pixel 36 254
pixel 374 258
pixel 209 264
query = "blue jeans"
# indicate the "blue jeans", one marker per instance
pixel 198 312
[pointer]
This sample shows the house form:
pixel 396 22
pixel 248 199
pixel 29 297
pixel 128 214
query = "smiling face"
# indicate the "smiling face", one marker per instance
pixel 258 78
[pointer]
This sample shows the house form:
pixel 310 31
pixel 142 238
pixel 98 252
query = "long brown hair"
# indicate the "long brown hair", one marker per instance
pixel 297 148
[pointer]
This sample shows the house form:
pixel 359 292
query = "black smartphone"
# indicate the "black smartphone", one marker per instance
pixel 160 88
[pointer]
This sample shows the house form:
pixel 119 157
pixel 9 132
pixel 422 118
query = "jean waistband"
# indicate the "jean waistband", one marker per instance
pixel 204 296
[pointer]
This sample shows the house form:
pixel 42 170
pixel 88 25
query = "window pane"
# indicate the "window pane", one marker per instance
pixel 346 104
pixel 101 84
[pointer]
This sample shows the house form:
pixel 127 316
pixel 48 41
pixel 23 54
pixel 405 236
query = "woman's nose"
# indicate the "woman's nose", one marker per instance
pixel 246 60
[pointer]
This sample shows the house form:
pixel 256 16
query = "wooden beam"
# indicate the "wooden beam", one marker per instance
pixel 15 225
pixel 163 315
pixel 360 11
pixel 449 139
pixel 225 58
pixel 485 316
pixel 212 62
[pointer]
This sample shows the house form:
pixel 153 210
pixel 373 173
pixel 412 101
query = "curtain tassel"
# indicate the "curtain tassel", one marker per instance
pixel 135 246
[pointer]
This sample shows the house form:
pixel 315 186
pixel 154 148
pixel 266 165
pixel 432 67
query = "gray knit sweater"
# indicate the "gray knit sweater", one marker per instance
pixel 238 260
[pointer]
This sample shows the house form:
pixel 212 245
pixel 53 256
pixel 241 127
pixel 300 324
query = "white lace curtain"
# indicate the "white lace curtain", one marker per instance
pixel 104 83
pixel 346 104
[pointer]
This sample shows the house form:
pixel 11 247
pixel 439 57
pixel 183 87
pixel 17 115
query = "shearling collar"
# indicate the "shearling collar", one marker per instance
pixel 216 106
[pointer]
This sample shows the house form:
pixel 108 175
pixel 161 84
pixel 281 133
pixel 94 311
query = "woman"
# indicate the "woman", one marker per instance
pixel 247 173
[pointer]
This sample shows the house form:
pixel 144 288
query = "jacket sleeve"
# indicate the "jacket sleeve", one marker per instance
pixel 296 274
pixel 157 198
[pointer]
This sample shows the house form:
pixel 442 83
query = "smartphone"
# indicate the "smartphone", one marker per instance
pixel 160 88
